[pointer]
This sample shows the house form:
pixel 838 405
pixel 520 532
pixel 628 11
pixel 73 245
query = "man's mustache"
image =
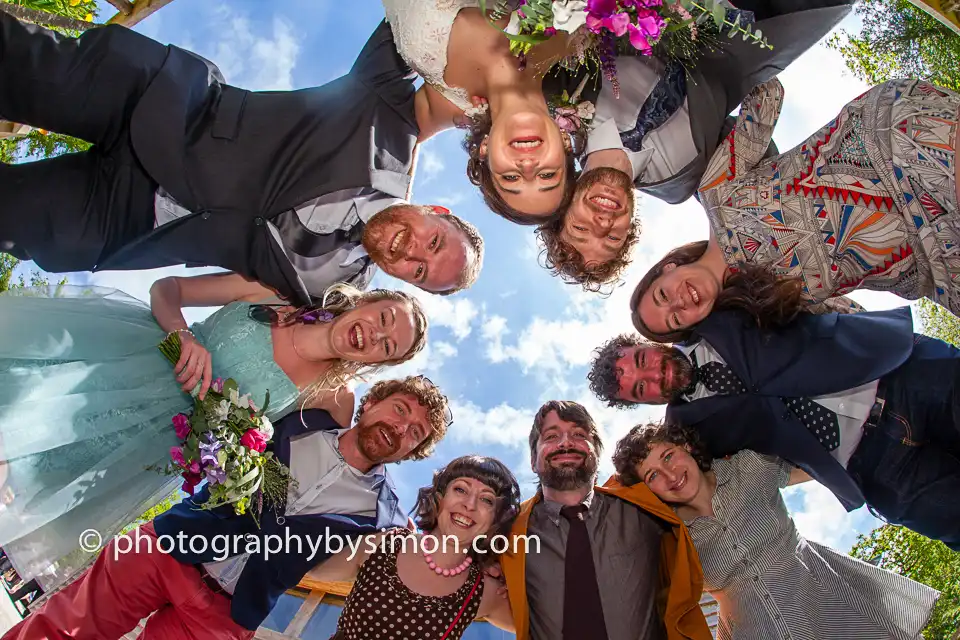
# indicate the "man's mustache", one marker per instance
pixel 566 452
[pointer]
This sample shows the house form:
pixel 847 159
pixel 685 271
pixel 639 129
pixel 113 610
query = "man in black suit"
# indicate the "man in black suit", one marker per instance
pixel 661 132
pixel 860 402
pixel 291 190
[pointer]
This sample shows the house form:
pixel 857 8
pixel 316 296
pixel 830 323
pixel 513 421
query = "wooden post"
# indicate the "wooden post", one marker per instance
pixel 946 11
pixel 123 6
pixel 139 10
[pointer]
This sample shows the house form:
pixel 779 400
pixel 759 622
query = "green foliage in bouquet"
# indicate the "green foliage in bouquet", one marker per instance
pixel 223 441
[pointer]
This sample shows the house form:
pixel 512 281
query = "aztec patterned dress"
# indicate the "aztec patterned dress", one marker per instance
pixel 867 202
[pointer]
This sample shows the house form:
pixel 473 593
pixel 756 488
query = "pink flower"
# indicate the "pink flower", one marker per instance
pixel 594 23
pixel 601 8
pixel 567 119
pixel 194 467
pixel 639 40
pixel 176 454
pixel 190 480
pixel 217 385
pixel 650 22
pixel 549 31
pixel 181 424
pixel 617 23
pixel 254 440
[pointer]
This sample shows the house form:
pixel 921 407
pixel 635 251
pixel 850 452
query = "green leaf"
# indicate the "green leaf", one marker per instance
pixel 719 15
pixel 228 385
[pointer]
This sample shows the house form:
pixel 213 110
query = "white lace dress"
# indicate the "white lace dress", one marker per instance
pixel 421 31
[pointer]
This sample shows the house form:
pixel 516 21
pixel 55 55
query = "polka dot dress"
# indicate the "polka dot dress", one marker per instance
pixel 381 607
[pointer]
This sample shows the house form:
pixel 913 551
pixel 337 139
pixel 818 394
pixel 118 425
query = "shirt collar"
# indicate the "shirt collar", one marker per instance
pixel 375 475
pixel 369 206
pixel 357 253
pixel 552 509
pixel 606 136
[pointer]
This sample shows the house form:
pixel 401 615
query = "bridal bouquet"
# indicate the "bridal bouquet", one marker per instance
pixel 671 29
pixel 223 441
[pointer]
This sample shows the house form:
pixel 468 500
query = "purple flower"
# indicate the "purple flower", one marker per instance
pixel 216 475
pixel 209 449
pixel 549 31
pixel 601 8
pixel 217 385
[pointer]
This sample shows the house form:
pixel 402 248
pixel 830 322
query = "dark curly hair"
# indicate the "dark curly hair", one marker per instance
pixel 563 260
pixel 478 172
pixel 772 301
pixel 428 395
pixel 603 372
pixel 633 448
pixel 490 472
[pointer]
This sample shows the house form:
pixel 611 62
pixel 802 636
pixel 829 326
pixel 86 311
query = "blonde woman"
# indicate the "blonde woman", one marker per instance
pixel 86 398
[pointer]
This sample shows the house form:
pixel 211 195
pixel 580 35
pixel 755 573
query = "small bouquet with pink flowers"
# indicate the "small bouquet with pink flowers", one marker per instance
pixel 223 441
pixel 670 29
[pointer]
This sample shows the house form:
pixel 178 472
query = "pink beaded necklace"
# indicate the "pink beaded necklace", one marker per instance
pixel 460 568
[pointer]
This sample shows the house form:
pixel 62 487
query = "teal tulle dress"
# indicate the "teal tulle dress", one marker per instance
pixel 86 402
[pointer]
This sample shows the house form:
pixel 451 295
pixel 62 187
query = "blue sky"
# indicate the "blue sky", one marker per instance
pixel 519 337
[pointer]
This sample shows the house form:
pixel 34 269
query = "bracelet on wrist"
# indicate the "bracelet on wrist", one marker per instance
pixel 182 331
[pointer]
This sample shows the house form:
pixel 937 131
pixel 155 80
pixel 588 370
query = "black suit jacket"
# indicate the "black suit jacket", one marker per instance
pixel 238 159
pixel 816 355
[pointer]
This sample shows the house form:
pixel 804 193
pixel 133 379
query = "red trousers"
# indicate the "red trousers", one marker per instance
pixel 111 598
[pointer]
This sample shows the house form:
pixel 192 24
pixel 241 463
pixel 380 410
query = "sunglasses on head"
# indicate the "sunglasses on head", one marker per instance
pixel 270 314
pixel 448 413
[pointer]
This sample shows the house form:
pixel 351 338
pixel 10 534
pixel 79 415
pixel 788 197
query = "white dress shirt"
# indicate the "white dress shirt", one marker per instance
pixel 851 406
pixel 326 484
pixel 663 151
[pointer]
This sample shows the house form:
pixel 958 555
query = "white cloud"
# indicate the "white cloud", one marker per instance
pixel 429 165
pixel 502 425
pixel 823 519
pixel 252 60
pixel 456 313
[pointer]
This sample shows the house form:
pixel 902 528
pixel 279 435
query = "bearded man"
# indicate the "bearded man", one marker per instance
pixel 619 561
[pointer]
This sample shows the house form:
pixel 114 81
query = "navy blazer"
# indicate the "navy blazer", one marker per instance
pixel 264 579
pixel 814 356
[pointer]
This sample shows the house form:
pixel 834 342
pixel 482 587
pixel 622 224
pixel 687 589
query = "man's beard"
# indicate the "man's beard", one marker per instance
pixel 375 232
pixel 567 478
pixel 684 378
pixel 610 177
pixel 371 446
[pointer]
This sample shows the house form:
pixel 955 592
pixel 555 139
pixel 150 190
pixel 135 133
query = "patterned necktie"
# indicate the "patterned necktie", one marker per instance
pixel 818 419
pixel 582 608
pixel 720 379
pixel 663 102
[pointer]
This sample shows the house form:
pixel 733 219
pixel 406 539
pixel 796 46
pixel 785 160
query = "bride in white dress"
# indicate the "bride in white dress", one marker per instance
pixel 519 158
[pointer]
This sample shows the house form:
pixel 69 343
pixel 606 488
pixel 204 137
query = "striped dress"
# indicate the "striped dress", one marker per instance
pixel 773 584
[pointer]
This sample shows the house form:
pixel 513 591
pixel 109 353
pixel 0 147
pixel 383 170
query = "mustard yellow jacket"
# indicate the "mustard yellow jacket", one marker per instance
pixel 680 579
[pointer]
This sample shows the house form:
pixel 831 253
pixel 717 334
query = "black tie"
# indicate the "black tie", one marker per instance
pixel 720 379
pixel 818 419
pixel 582 608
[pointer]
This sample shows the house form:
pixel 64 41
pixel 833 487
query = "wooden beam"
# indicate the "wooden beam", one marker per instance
pixel 123 6
pixel 140 10
pixel 43 18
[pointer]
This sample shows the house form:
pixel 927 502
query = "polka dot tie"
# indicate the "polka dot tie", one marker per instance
pixel 818 419
pixel 720 379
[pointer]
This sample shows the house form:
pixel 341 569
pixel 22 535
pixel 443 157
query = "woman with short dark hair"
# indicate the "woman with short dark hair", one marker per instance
pixel 769 580
pixel 430 585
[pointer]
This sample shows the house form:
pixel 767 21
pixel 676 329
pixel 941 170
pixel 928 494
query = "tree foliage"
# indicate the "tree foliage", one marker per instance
pixel 939 323
pixel 919 558
pixel 900 40
pixel 41 144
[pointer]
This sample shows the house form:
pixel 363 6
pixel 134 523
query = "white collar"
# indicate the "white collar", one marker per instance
pixel 606 136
